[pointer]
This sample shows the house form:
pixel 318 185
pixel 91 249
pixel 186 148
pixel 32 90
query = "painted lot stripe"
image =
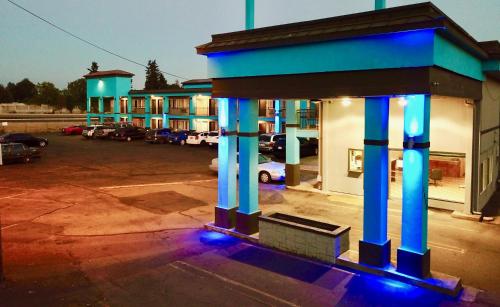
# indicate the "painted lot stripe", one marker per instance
pixel 13 195
pixel 155 184
pixel 179 264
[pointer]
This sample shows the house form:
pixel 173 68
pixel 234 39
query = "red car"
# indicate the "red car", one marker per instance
pixel 72 130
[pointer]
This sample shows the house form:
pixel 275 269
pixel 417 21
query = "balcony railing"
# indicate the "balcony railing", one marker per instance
pixel 308 118
pixel 206 111
pixel 270 112
pixel 137 110
pixel 178 111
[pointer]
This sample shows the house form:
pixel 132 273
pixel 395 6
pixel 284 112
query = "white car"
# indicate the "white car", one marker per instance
pixel 213 138
pixel 197 138
pixel 268 169
pixel 88 132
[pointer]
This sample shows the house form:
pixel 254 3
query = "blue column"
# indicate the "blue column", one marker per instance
pixel 277 117
pixel 192 111
pixel 225 212
pixel 147 112
pixel 375 248
pixel 101 109
pixel 116 109
pixel 292 167
pixel 380 4
pixel 413 255
pixel 248 212
pixel 249 14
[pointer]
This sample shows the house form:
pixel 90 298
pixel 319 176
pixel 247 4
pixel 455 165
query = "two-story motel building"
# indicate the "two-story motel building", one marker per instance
pixel 110 98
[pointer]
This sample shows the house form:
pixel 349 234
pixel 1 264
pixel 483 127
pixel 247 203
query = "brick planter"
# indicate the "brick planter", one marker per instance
pixel 304 237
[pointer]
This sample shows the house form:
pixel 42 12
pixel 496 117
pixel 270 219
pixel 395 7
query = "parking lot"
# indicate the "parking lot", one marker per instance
pixel 98 222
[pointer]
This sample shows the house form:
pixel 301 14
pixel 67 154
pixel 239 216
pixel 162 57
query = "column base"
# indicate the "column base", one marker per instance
pixel 292 172
pixel 414 264
pixel 375 254
pixel 247 223
pixel 225 218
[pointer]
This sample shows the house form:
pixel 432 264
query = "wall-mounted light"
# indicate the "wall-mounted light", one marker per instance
pixel 402 101
pixel 346 102
pixel 100 84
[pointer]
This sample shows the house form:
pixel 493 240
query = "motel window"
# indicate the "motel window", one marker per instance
pixel 179 103
pixel 94 105
pixel 179 124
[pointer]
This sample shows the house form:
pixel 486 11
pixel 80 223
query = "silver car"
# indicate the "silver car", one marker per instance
pixel 268 169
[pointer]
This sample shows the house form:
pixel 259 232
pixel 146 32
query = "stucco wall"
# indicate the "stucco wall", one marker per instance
pixel 451 131
pixel 489 140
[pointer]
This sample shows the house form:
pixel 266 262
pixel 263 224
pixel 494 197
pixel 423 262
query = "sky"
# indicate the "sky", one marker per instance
pixel 168 31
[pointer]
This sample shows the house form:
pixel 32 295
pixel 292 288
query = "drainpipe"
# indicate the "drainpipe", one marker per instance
pixel 379 4
pixel 249 14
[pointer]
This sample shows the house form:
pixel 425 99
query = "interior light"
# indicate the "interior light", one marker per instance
pixel 346 102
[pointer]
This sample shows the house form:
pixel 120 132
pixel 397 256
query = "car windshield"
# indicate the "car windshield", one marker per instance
pixel 213 134
pixel 194 133
pixel 264 159
pixel 265 138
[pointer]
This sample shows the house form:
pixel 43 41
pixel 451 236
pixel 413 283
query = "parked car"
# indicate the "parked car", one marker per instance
pixel 197 138
pixel 308 147
pixel 267 141
pixel 88 132
pixel 24 138
pixel 103 132
pixel 178 137
pixel 268 170
pixel 72 130
pixel 157 135
pixel 129 133
pixel 213 138
pixel 17 152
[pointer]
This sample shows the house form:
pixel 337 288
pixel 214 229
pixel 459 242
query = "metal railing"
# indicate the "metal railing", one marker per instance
pixel 308 118
pixel 178 111
pixel 138 110
pixel 205 111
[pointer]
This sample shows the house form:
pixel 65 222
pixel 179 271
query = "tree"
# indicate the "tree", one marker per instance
pixel 162 82
pixel 152 76
pixel 175 85
pixel 24 90
pixel 5 94
pixel 76 94
pixel 93 67
pixel 48 93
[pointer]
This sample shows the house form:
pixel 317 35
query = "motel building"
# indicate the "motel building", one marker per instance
pixel 408 109
pixel 110 98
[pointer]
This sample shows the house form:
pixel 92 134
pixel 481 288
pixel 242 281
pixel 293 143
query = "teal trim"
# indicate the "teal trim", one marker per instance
pixel 491 66
pixel 190 94
pixel 405 49
pixel 452 57
pixel 207 85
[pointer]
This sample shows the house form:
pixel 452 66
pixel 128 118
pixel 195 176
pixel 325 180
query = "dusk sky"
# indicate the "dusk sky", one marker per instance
pixel 167 30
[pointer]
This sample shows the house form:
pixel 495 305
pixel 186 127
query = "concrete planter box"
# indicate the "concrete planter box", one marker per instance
pixel 304 237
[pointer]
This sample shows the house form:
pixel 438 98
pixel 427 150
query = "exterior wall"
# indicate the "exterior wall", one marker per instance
pixel 450 131
pixel 107 87
pixel 410 49
pixel 489 151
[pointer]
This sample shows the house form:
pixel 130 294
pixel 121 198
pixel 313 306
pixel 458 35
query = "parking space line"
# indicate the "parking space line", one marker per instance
pixel 13 195
pixel 155 184
pixel 229 281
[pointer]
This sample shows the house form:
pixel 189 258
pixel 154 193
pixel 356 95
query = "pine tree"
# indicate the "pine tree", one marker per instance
pixel 93 67
pixel 162 82
pixel 152 77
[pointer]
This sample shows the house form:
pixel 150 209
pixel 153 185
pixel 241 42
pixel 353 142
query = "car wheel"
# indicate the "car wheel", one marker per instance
pixel 43 144
pixel 182 142
pixel 129 139
pixel 203 143
pixel 265 177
